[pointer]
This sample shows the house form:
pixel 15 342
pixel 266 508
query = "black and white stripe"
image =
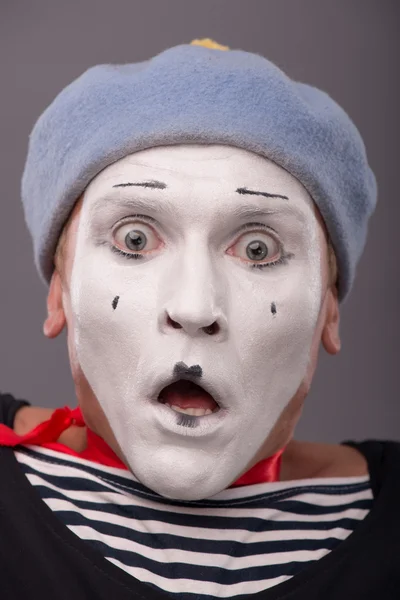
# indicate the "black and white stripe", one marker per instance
pixel 241 541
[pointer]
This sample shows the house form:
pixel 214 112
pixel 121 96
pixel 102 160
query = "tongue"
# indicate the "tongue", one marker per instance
pixel 186 394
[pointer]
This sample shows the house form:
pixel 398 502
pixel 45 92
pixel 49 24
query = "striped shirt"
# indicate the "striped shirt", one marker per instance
pixel 241 541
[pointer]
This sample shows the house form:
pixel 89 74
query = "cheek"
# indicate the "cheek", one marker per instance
pixel 114 321
pixel 275 325
pixel 286 306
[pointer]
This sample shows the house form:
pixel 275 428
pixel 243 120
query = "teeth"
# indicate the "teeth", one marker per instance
pixel 194 412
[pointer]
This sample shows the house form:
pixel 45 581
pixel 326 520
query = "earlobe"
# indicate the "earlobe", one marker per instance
pixel 55 321
pixel 330 333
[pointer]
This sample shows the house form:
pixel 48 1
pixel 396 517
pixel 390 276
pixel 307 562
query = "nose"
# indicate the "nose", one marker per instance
pixel 195 300
pixel 192 328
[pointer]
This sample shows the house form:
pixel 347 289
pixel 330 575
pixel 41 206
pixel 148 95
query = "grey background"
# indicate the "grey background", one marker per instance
pixel 348 48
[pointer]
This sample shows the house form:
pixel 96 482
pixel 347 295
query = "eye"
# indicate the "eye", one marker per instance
pixel 136 237
pixel 257 247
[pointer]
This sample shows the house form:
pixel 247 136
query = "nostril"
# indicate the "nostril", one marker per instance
pixel 173 323
pixel 211 329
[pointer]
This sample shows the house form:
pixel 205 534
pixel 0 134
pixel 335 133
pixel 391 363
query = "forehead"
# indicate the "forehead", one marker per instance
pixel 225 167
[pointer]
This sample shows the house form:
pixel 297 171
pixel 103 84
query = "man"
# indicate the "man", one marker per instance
pixel 199 218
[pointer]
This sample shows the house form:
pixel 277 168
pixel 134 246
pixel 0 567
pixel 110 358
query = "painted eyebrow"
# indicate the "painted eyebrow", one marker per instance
pixel 244 190
pixel 160 185
pixel 157 185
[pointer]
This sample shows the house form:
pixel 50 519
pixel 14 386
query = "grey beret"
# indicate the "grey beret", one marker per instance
pixel 194 94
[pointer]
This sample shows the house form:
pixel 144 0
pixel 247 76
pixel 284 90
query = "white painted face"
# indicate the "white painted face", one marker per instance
pixel 207 256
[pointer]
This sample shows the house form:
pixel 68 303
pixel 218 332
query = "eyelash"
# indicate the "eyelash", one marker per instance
pixel 283 260
pixel 126 254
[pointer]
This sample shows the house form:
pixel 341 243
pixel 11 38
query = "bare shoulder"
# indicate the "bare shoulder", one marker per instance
pixel 308 460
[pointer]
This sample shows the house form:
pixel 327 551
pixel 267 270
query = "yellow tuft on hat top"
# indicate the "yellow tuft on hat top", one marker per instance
pixel 208 43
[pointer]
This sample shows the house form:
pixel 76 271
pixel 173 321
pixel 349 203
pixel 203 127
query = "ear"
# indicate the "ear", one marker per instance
pixel 55 322
pixel 330 333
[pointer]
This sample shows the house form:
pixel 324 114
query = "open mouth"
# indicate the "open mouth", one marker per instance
pixel 186 397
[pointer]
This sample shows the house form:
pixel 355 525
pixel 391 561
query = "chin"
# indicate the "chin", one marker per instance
pixel 177 481
pixel 187 493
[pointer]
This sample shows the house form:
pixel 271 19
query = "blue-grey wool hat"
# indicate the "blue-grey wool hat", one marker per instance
pixel 201 95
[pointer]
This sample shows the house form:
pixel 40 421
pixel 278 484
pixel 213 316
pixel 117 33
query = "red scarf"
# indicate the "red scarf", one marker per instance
pixel 47 433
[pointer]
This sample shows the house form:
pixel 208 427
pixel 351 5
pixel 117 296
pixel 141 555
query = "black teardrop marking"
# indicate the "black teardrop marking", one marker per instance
pixel 273 308
pixel 115 302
